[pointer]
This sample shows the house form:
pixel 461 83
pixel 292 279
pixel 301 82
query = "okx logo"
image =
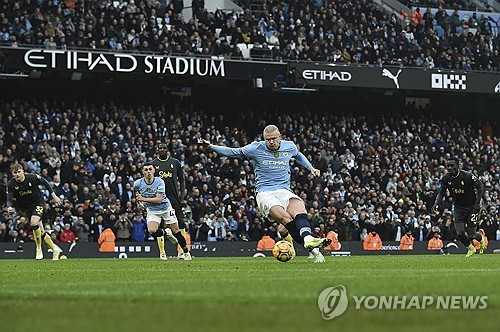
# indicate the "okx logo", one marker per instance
pixel 332 302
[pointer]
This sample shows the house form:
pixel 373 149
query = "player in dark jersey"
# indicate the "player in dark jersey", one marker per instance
pixel 28 198
pixel 170 171
pixel 466 191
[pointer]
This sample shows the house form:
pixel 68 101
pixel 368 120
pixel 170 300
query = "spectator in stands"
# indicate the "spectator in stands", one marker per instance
pixel 67 234
pixel 364 187
pixel 139 227
pixel 81 229
pixel 122 227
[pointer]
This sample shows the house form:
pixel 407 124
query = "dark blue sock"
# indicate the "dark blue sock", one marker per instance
pixel 302 225
pixel 292 229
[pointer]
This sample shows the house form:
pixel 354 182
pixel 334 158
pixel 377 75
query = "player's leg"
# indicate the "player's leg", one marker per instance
pixel 278 205
pixel 181 220
pixel 288 235
pixel 158 233
pixel 56 250
pixel 472 226
pixel 37 234
pixel 482 243
pixel 460 220
pixel 279 214
pixel 296 208
pixel 172 223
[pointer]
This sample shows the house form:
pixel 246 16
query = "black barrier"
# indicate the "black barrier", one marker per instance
pixel 142 66
pixel 396 78
pixel 213 249
pixel 85 63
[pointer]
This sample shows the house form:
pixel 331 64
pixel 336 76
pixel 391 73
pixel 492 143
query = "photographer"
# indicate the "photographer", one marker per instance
pixel 81 230
pixel 123 226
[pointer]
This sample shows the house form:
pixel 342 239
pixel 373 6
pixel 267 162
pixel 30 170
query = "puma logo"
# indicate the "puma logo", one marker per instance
pixel 388 74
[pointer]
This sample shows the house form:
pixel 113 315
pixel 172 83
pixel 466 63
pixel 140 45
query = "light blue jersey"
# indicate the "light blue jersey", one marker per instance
pixel 150 191
pixel 272 167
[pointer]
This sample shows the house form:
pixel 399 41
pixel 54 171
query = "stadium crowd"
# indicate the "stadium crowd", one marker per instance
pixel 378 173
pixel 344 31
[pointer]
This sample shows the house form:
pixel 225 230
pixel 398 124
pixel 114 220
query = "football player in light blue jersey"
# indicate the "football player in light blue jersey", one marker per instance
pixel 271 162
pixel 150 191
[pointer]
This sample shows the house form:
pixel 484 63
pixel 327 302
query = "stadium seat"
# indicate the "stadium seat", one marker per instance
pixel 245 52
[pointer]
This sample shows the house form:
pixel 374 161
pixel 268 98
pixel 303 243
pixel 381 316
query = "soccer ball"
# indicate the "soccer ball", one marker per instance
pixel 283 251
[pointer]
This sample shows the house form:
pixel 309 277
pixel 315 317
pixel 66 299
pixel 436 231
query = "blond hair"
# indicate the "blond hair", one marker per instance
pixel 270 129
pixel 15 167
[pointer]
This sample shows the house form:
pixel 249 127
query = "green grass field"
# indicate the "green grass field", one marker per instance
pixel 240 294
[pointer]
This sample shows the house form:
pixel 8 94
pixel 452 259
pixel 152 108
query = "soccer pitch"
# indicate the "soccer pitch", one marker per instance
pixel 241 294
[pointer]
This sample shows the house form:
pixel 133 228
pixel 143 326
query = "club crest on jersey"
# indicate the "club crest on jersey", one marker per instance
pixel 276 154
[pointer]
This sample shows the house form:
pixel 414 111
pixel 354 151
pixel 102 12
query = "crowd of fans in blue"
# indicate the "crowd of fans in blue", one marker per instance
pixel 380 174
pixel 377 173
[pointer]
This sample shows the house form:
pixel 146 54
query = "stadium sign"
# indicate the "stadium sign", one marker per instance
pixel 124 63
pixel 323 75
pixel 452 82
pixel 46 63
pixel 91 64
pixel 394 78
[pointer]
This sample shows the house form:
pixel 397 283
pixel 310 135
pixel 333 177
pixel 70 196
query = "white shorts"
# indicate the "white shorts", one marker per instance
pixel 267 199
pixel 168 216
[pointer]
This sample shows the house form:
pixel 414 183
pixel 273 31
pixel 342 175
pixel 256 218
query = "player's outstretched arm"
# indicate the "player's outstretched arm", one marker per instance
pixel 316 172
pixel 206 144
pixel 228 152
pixel 302 160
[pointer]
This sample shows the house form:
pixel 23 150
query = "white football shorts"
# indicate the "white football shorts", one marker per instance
pixel 267 199
pixel 168 216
